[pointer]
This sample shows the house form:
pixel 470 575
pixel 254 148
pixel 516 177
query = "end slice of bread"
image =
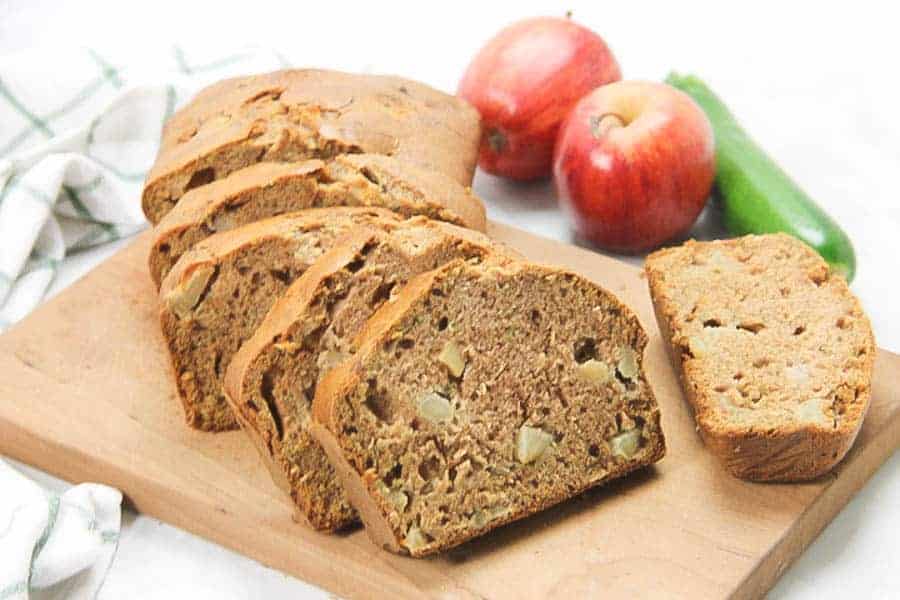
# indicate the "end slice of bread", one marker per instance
pixel 481 394
pixel 298 114
pixel 269 189
pixel 774 352
pixel 271 381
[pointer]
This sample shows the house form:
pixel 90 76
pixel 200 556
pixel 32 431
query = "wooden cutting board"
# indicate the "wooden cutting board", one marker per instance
pixel 86 394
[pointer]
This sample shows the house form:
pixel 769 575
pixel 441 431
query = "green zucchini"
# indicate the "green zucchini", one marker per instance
pixel 756 195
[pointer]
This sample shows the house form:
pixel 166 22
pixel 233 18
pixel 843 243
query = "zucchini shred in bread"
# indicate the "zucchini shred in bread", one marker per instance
pixel 774 352
pixel 481 394
pixel 220 290
pixel 268 189
pixel 298 114
pixel 272 379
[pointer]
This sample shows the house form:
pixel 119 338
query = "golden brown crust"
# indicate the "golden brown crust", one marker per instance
pixel 772 445
pixel 296 114
pixel 268 189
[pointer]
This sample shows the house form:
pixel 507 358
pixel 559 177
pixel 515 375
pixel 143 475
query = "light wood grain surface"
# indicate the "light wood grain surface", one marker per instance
pixel 86 393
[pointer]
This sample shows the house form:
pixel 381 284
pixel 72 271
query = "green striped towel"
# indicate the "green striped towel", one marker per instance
pixel 78 132
pixel 60 545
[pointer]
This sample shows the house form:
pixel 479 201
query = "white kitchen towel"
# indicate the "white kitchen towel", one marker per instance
pixel 55 546
pixel 78 132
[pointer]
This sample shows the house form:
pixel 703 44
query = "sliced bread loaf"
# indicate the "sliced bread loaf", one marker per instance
pixel 775 354
pixel 272 379
pixel 220 290
pixel 268 189
pixel 293 115
pixel 481 394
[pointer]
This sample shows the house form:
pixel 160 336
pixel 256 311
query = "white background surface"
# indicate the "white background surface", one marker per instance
pixel 816 83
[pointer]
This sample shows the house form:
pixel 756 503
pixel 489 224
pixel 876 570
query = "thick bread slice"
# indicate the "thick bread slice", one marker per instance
pixel 481 394
pixel 268 189
pixel 293 115
pixel 775 354
pixel 272 379
pixel 220 290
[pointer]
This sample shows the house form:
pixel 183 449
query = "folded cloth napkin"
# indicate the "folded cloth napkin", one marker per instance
pixel 78 132
pixel 77 135
pixel 58 546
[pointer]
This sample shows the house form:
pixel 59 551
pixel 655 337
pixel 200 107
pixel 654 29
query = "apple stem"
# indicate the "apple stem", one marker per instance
pixel 601 125
pixel 496 140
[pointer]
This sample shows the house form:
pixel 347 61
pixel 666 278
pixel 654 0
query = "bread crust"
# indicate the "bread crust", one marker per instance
pixel 791 451
pixel 298 114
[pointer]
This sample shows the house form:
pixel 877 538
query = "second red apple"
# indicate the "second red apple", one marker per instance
pixel 634 164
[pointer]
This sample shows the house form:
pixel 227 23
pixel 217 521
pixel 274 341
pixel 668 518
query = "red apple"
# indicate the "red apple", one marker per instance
pixel 524 82
pixel 634 164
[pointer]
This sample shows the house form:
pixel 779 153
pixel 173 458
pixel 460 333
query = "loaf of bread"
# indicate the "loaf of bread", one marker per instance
pixel 324 283
pixel 220 290
pixel 774 352
pixel 272 379
pixel 269 189
pixel 481 394
pixel 293 115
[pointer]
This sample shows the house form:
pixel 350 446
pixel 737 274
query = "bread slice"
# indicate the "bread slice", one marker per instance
pixel 220 290
pixel 775 354
pixel 298 114
pixel 481 394
pixel 268 189
pixel 272 379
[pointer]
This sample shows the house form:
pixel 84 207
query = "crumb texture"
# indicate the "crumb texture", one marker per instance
pixel 217 294
pixel 776 354
pixel 484 393
pixel 272 380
